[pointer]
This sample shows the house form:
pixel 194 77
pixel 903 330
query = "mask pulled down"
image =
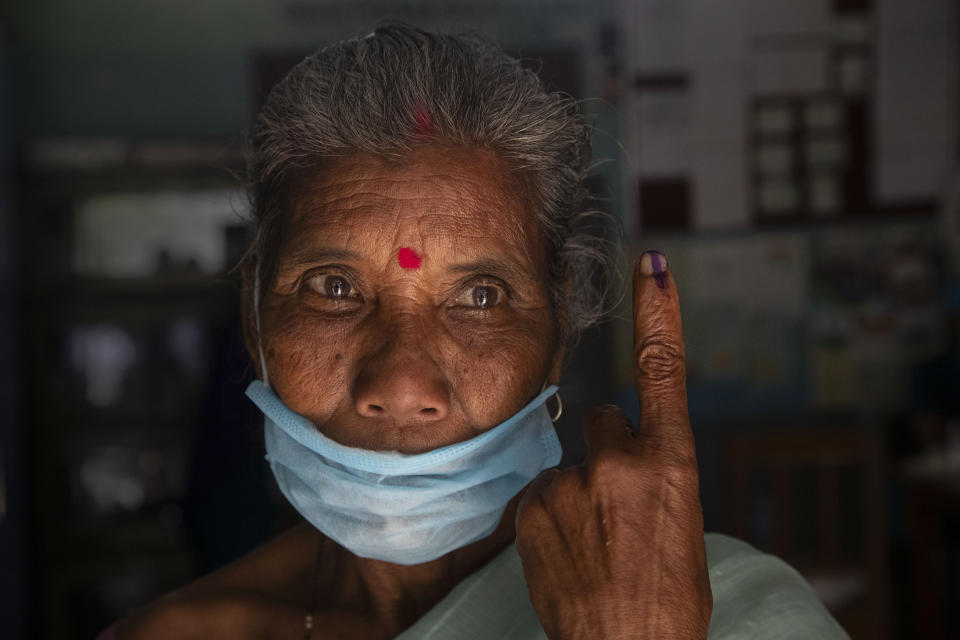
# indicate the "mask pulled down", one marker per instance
pixel 405 508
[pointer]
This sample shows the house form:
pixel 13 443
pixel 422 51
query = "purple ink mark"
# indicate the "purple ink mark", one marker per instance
pixel 658 270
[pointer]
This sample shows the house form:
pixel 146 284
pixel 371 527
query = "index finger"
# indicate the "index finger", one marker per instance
pixel 658 353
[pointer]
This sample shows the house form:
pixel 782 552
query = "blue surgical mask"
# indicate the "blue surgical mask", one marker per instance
pixel 405 508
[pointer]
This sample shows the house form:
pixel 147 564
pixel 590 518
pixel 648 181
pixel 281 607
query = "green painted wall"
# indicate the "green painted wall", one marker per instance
pixel 181 68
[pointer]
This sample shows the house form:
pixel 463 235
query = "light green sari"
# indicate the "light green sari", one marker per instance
pixel 755 595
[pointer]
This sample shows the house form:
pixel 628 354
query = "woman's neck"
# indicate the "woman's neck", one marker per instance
pixel 399 594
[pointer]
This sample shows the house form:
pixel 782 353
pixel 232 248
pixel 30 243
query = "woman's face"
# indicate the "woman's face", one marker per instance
pixel 411 307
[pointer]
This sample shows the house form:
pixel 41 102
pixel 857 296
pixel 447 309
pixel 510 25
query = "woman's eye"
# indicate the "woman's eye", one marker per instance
pixel 331 285
pixel 480 297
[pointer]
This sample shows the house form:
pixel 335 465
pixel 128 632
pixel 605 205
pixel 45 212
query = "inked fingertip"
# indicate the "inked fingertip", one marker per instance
pixel 653 263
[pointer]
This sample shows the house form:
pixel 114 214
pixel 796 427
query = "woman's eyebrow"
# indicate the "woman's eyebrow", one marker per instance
pixel 311 255
pixel 504 269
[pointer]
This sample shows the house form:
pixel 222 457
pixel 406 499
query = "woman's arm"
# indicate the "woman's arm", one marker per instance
pixel 614 548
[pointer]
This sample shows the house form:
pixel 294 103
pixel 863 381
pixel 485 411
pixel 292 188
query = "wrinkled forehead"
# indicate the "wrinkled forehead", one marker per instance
pixel 447 200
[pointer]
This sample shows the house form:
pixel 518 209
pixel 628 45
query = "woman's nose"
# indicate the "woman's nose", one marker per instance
pixel 402 383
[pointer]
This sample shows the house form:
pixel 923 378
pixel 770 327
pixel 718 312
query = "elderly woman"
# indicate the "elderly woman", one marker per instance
pixel 415 277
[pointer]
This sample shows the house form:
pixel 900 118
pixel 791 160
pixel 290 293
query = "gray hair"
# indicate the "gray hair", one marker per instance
pixel 371 94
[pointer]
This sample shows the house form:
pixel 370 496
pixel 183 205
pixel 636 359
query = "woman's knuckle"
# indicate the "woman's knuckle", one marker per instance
pixel 670 459
pixel 660 358
pixel 607 416
pixel 612 473
pixel 530 514
pixel 567 484
pixel 609 466
pixel 681 474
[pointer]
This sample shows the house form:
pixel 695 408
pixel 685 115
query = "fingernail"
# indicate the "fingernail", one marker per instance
pixel 653 263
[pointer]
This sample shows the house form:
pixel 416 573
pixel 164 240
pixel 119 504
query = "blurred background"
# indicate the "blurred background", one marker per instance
pixel 796 160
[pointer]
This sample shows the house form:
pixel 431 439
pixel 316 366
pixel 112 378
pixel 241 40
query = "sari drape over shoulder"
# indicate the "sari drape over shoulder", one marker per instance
pixel 755 595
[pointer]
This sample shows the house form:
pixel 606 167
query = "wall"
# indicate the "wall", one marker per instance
pixel 178 68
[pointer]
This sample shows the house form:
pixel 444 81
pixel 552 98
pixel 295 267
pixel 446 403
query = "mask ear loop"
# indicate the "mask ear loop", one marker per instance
pixel 559 403
pixel 256 315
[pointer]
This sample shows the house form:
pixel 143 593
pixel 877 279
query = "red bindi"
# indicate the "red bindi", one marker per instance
pixel 408 258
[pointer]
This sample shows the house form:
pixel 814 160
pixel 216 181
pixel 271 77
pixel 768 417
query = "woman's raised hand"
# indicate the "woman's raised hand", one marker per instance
pixel 613 548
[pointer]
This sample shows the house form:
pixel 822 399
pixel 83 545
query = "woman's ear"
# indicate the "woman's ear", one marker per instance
pixel 556 365
pixel 563 324
pixel 248 311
